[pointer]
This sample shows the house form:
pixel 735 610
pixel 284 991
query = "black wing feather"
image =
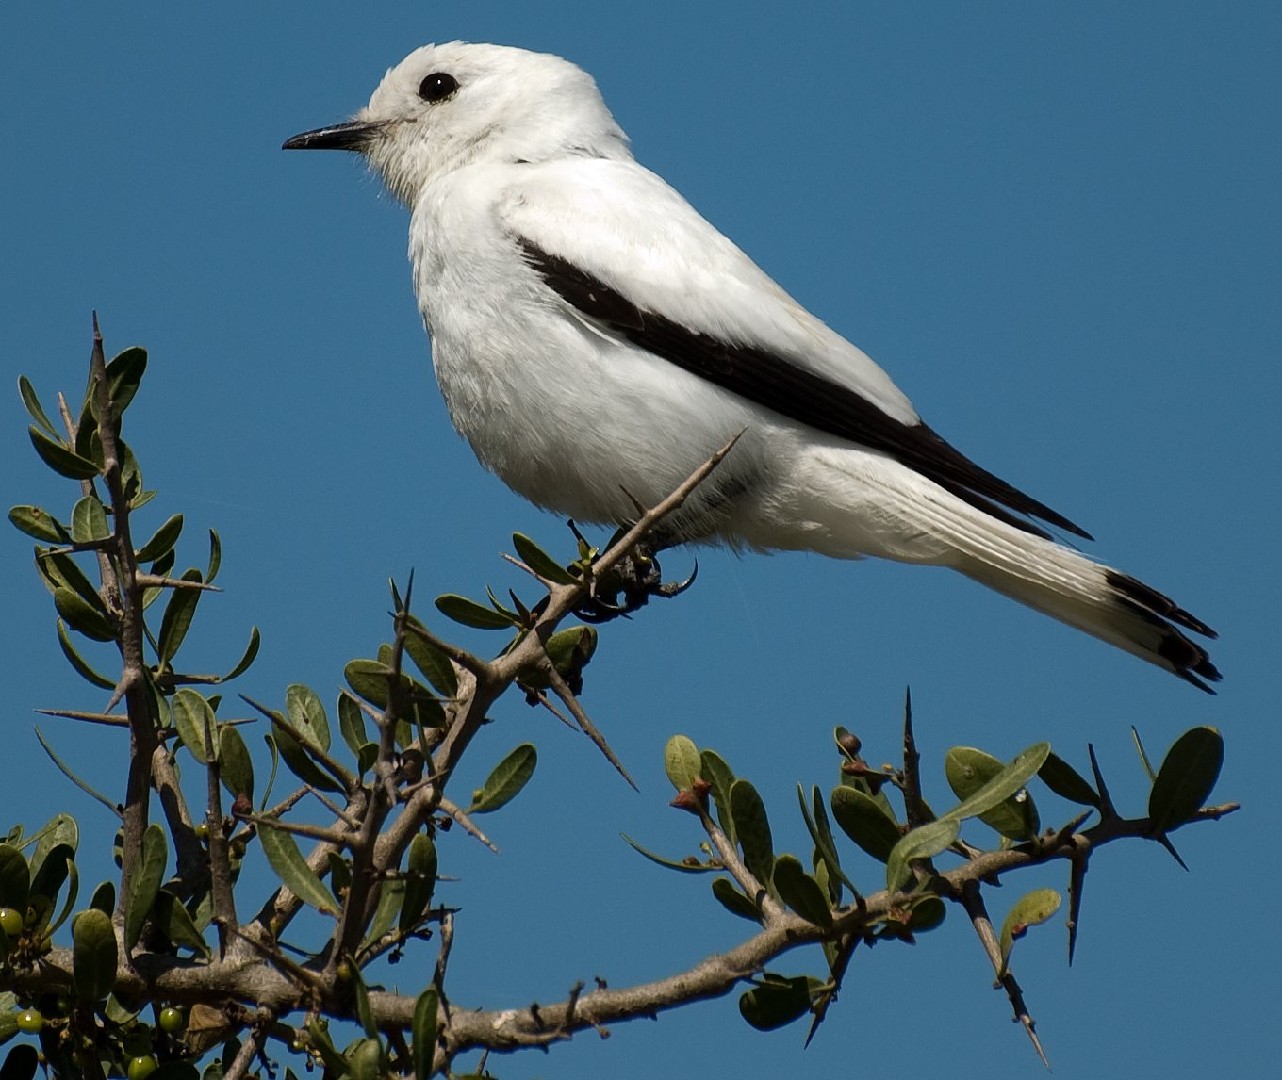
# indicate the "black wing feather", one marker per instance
pixel 796 392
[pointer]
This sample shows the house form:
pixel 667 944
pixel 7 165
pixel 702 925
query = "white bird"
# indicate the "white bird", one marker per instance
pixel 596 340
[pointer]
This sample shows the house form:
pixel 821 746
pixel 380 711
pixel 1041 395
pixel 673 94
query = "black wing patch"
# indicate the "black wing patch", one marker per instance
pixel 802 395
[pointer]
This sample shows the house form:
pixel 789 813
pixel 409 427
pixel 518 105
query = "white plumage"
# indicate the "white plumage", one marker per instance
pixel 596 339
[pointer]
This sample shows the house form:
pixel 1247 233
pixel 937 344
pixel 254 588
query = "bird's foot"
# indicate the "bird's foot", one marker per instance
pixel 629 585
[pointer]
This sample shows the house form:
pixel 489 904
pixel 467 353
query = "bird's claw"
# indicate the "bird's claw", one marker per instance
pixel 629 586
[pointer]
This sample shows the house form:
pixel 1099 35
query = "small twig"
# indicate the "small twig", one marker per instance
pixel 562 690
pixel 462 657
pixel 466 823
pixel 219 857
pixel 771 909
pixel 335 768
pixel 542 699
pixel 151 581
pixel 252 1046
pixel 106 719
pixel 443 959
pixel 973 902
pixel 333 807
pixel 308 981
pixel 313 832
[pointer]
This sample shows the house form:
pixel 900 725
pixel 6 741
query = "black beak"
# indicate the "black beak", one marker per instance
pixel 354 136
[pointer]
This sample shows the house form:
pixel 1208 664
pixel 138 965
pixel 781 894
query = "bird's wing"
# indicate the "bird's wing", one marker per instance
pixel 622 248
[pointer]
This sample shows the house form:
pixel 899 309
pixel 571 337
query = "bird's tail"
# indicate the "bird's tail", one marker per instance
pixel 1104 602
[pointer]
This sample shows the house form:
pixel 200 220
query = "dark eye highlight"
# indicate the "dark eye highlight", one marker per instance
pixel 437 86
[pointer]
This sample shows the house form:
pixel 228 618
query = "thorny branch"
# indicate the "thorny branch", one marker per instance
pixel 382 816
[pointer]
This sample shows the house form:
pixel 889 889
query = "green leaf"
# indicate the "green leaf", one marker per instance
pixel 95 955
pixel 1012 777
pixel 714 769
pixel 176 620
pixel 60 570
pixel 61 829
pixel 334 1062
pixel 78 662
pixel 801 892
pixel 89 619
pixel 828 863
pixel 299 763
pixel 365 1059
pixel 307 714
pixel 191 712
pixel 924 842
pixel 88 442
pixel 1030 909
pixel 1187 777
pixel 124 373
pixel 215 556
pixel 420 881
pixel 104 897
pixel 470 613
pixel 570 650
pixel 862 819
pixel 351 724
pixel 38 523
pixel 250 655
pixel 32 402
pixel 290 866
pixel 776 1001
pixel 423 1033
pixel 162 542
pixel 503 784
pixel 60 459
pixel 1139 749
pixel 928 912
pixel 390 899
pixel 363 1012
pixel 162 567
pixel 684 867
pixel 752 828
pixel 968 769
pixel 15 878
pixel 1058 775
pixel 63 768
pixel 340 873
pixel 734 901
pixel 89 520
pixel 433 663
pixel 49 874
pixel 681 762
pixel 237 767
pixel 22 1062
pixel 176 923
pixel 540 561
pixel 148 875
pixel 368 679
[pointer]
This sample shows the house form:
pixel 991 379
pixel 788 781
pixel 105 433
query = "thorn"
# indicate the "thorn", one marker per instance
pixel 1165 841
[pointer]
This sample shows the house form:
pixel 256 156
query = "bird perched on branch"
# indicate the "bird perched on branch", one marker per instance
pixel 596 340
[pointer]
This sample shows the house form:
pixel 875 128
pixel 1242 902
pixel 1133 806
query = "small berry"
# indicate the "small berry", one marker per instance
pixel 171 1020
pixel 142 1066
pixel 30 1021
pixel 201 831
pixel 11 921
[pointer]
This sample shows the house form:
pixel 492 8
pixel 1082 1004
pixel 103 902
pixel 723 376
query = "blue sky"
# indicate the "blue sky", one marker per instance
pixel 1055 225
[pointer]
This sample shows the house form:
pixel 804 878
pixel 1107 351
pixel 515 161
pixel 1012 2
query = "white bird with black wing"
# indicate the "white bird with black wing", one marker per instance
pixel 596 340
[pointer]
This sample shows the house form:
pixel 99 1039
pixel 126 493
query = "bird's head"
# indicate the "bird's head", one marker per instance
pixel 451 105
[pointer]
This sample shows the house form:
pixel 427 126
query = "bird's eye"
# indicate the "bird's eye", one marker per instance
pixel 437 86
